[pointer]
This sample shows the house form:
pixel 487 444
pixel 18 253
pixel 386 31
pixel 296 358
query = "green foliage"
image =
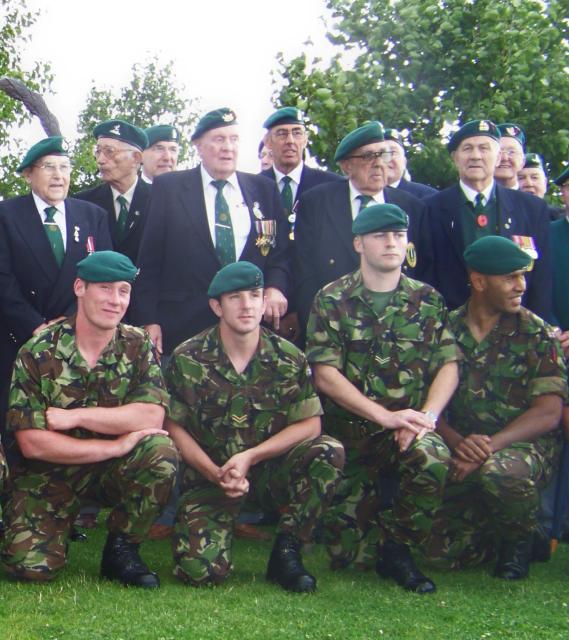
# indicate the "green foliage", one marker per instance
pixel 422 66
pixel 152 97
pixel 15 22
pixel 349 605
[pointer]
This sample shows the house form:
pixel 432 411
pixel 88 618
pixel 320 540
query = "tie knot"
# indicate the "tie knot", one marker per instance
pixel 122 201
pixel 286 180
pixel 365 200
pixel 50 213
pixel 479 200
pixel 219 184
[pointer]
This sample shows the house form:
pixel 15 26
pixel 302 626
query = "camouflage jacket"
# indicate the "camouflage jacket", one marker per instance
pixel 51 372
pixel 227 412
pixel 519 360
pixel 392 358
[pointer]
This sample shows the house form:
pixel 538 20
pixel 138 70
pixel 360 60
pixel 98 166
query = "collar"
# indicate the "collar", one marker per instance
pixel 207 179
pixel 378 198
pixel 295 174
pixel 212 348
pixel 42 205
pixel 128 194
pixel 145 178
pixel 471 193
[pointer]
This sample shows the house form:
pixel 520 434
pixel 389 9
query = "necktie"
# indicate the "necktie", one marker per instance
pixel 286 193
pixel 123 215
pixel 224 240
pixel 364 201
pixel 478 203
pixel 54 235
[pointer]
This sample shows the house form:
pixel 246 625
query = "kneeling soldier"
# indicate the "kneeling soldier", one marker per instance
pixel 502 423
pixel 386 361
pixel 87 405
pixel 244 413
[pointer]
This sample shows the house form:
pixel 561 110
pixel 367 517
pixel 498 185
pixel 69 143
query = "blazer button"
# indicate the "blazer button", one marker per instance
pixel 332 261
pixel 33 293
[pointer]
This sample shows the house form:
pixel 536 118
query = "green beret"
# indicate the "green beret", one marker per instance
pixel 121 130
pixel 236 276
pixel 54 146
pixel 472 129
pixel 106 266
pixel 380 217
pixel 533 161
pixel 495 256
pixel 511 130
pixel 562 179
pixel 162 132
pixel 223 117
pixel 393 134
pixel 286 115
pixel 366 134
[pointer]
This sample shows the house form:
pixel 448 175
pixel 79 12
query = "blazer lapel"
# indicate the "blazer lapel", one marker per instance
pixel 248 193
pixel 137 206
pixel 192 206
pixel 339 210
pixel 452 221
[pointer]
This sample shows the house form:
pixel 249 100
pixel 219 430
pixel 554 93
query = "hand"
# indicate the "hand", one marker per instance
pixel 289 327
pixel 404 438
pixel 233 484
pixel 60 419
pixel 410 419
pixel 459 469
pixel 155 333
pixel 276 306
pixel 563 337
pixel 125 444
pixel 474 448
pixel 238 464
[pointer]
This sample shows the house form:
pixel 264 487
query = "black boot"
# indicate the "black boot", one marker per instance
pixel 541 545
pixel 122 562
pixel 513 559
pixel 285 565
pixel 395 561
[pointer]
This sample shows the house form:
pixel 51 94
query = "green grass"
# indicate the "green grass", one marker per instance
pixel 468 604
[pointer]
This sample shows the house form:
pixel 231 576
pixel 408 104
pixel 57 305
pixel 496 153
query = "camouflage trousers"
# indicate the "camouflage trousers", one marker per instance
pixel 301 484
pixel 358 521
pixel 44 499
pixel 497 503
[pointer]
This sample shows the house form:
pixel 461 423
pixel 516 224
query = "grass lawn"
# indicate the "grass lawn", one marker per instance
pixel 470 604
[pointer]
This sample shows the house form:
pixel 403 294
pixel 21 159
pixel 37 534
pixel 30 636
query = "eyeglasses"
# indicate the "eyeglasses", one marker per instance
pixel 510 153
pixel 283 134
pixel 52 168
pixel 108 152
pixel 368 156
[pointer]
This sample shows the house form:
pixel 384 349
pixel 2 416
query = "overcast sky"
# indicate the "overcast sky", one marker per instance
pixel 223 51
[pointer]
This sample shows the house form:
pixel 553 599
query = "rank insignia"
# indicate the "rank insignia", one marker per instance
pixel 239 419
pixel 411 255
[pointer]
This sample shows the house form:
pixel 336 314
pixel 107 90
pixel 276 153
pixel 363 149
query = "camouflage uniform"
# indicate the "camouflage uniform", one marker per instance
pixel 45 497
pixel 392 359
pixel 518 361
pixel 226 413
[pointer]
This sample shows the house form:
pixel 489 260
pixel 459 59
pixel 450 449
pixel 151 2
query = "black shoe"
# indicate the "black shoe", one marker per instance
pixel 77 536
pixel 513 560
pixel 122 562
pixel 396 562
pixel 541 545
pixel 285 566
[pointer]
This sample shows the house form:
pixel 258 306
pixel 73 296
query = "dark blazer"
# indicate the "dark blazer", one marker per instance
pixel 416 189
pixel 33 288
pixel 177 257
pixel 103 197
pixel 324 239
pixel 519 214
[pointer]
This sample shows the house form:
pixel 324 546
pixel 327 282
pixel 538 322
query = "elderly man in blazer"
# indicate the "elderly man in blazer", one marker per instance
pixel 123 194
pixel 43 236
pixel 198 221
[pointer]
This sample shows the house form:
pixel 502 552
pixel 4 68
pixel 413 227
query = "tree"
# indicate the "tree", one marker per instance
pixel 15 22
pixel 152 97
pixel 423 66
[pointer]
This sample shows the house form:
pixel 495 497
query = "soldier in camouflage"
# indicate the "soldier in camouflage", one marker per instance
pixel 386 362
pixel 502 423
pixel 246 417
pixel 87 404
